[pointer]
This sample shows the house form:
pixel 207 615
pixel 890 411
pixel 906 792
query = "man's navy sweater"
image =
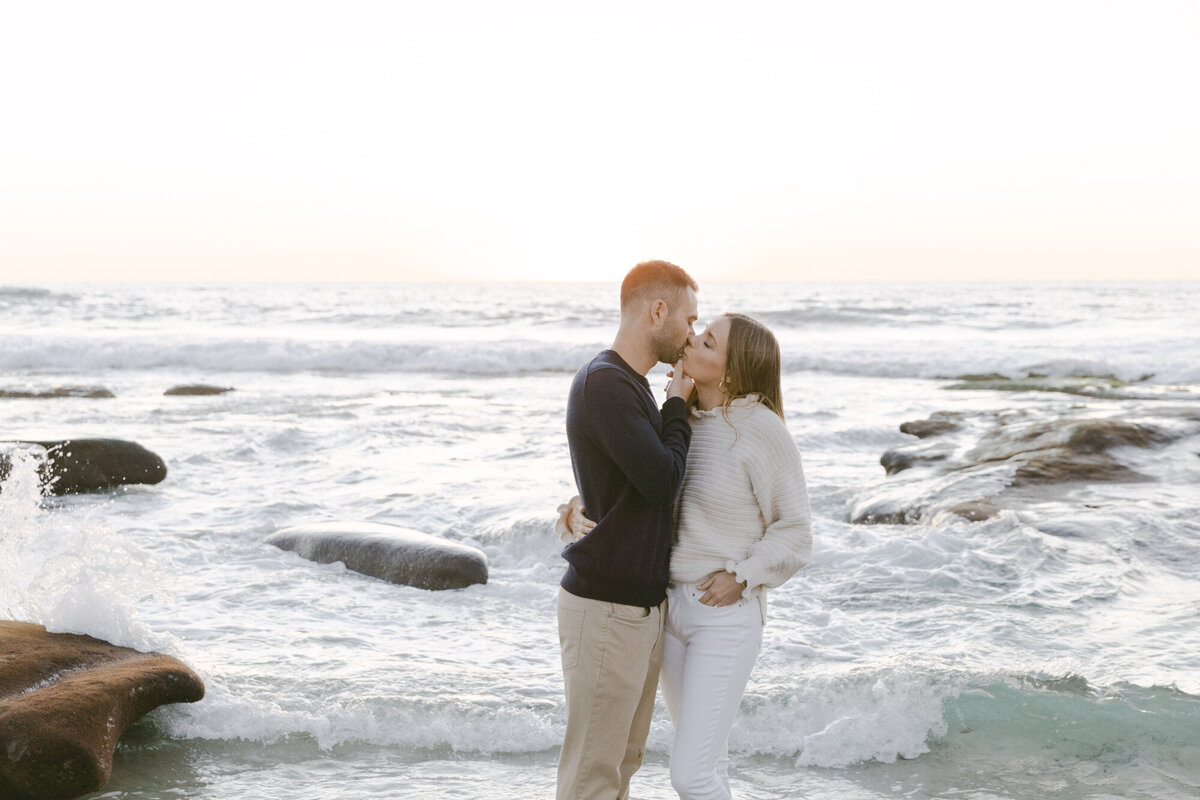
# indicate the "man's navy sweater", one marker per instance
pixel 628 458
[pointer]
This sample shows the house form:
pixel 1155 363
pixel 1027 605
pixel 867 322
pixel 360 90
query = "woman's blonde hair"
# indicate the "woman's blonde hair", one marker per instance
pixel 752 362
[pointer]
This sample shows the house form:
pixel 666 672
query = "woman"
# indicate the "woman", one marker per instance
pixel 742 525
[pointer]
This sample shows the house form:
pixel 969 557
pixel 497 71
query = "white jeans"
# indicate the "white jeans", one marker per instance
pixel 708 653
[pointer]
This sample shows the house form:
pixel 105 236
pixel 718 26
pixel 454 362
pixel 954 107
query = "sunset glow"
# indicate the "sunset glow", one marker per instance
pixel 545 141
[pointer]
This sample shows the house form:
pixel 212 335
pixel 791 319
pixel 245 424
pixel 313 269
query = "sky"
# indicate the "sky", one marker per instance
pixel 790 141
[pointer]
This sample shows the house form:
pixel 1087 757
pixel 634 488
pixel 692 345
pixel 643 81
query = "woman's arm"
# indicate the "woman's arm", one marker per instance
pixel 572 525
pixel 777 478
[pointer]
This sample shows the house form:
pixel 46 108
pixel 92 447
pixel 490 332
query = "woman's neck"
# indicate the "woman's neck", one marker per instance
pixel 709 397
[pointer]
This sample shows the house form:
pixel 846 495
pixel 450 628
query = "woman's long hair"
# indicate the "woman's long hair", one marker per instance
pixel 752 362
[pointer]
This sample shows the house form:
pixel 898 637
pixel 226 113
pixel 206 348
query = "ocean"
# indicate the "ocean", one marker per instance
pixel 1049 650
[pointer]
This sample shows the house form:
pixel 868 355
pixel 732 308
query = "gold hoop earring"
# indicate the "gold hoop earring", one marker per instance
pixel 721 386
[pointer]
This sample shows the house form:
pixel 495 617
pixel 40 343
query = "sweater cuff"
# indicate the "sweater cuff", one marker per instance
pixel 744 573
pixel 674 407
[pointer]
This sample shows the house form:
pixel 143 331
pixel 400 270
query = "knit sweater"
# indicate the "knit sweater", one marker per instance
pixel 743 506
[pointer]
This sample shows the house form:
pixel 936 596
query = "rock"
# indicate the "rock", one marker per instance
pixel 975 510
pixel 924 428
pixel 988 376
pixel 1013 457
pixel 894 461
pixel 88 465
pixel 389 552
pixel 66 699
pixel 884 518
pixel 1099 386
pixel 1067 466
pixel 59 391
pixel 1066 450
pixel 196 389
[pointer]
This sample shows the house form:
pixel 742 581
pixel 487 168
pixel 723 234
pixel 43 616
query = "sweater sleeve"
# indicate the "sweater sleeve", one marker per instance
pixel 777 479
pixel 620 427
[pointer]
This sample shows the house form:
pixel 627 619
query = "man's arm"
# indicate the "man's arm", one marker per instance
pixel 622 429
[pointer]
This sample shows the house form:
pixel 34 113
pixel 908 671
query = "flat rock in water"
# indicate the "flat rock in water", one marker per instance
pixel 89 465
pixel 196 389
pixel 58 391
pixel 389 552
pixel 66 699
pixel 1014 456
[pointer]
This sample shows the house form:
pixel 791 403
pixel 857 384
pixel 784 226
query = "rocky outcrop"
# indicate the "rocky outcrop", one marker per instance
pixel 72 466
pixel 1061 451
pixel 58 391
pixel 389 552
pixel 1015 455
pixel 66 699
pixel 196 389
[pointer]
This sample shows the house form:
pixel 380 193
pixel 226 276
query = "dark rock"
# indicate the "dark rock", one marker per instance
pixel 924 428
pixel 886 518
pixel 1020 447
pixel 1064 466
pixel 1100 435
pixel 59 391
pixel 1104 386
pixel 196 389
pixel 66 699
pixel 975 510
pixel 990 376
pixel 88 465
pixel 389 552
pixel 898 460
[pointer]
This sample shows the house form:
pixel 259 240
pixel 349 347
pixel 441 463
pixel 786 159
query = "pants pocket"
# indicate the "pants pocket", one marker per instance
pixel 630 612
pixel 570 635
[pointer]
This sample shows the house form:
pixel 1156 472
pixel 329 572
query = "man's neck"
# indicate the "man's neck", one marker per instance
pixel 632 348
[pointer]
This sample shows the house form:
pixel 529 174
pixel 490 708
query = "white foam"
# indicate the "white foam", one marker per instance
pixel 95 353
pixel 67 571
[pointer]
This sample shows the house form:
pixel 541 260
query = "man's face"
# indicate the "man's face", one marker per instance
pixel 672 335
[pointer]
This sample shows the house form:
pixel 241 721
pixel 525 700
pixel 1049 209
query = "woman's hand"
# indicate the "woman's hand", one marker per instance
pixel 572 525
pixel 721 589
pixel 681 385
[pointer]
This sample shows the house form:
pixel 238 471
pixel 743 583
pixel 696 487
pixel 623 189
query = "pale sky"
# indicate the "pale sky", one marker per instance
pixel 381 141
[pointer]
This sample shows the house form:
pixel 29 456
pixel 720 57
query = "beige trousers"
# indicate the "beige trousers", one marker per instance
pixel 611 654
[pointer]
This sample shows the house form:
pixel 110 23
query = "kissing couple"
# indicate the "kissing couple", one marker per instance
pixel 688 512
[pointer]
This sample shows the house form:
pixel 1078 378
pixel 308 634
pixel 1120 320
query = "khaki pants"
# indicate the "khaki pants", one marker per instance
pixel 611 655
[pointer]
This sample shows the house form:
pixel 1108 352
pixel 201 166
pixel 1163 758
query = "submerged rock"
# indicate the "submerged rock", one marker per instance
pixel 975 510
pixel 59 391
pixel 87 465
pixel 1099 386
pixel 196 389
pixel 65 700
pixel 389 552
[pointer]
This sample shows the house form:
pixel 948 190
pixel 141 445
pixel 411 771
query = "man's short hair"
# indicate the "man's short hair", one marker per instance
pixel 654 278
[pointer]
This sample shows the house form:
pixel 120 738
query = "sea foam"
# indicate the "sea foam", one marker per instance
pixel 63 569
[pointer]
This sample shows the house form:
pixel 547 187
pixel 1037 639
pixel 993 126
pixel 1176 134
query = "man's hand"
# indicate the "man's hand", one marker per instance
pixel 721 589
pixel 681 385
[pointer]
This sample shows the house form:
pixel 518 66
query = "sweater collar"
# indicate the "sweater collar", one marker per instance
pixel 737 402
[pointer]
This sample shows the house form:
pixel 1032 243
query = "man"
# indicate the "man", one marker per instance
pixel 628 456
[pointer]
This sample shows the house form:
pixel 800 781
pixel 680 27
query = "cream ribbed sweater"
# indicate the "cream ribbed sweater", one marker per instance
pixel 743 506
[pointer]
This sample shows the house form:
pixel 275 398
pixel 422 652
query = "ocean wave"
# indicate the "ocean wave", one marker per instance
pixel 829 722
pixel 17 297
pixel 501 356
pixel 24 354
pixel 1172 367
pixel 71 573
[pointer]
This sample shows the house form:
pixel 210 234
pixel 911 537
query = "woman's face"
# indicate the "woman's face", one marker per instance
pixel 704 357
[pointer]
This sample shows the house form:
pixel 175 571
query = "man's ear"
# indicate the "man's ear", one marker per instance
pixel 658 311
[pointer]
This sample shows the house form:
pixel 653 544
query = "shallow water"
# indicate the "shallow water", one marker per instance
pixel 1050 650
